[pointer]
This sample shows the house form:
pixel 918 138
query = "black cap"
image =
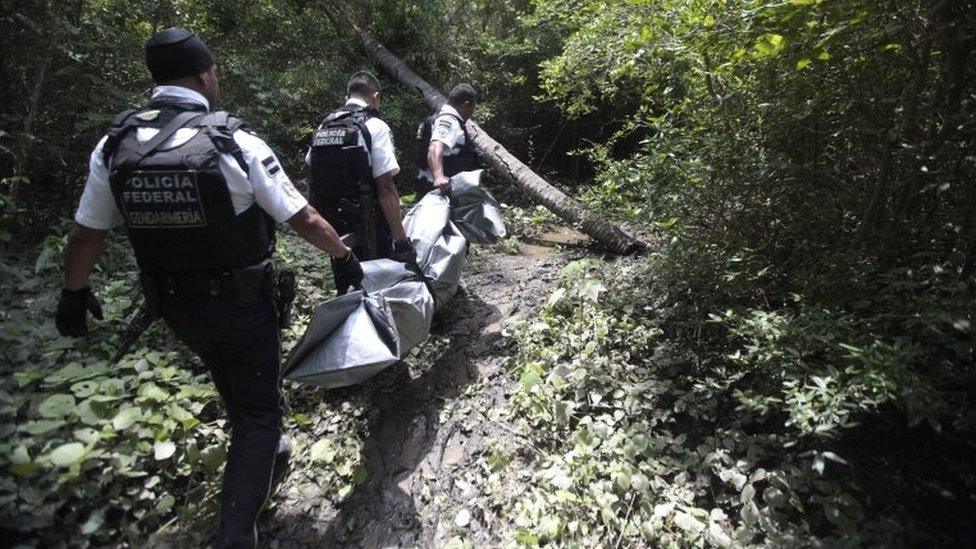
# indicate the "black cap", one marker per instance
pixel 175 53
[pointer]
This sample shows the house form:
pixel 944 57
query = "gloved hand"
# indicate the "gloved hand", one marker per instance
pixel 404 253
pixel 71 317
pixel 443 183
pixel 348 272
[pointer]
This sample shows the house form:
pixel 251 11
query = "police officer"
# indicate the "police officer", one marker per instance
pixel 353 164
pixel 444 139
pixel 200 195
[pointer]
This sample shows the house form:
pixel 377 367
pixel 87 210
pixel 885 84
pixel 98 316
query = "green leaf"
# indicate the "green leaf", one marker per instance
pixel 40 427
pixel 591 289
pixel 67 454
pixel 152 392
pixel 56 406
pixel 84 389
pixel 94 523
pixel 213 456
pixel 803 63
pixel 525 537
pixel 323 451
pixel 25 470
pixel 86 435
pixel 556 297
pixel 770 45
pixel 666 224
pixel 360 474
pixel 164 449
pixel 126 418
pixel 26 378
pixel 20 456
pixel 687 522
pixel 622 482
pixel 529 378
pixel 165 504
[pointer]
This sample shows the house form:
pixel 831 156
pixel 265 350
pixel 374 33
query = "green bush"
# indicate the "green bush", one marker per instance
pixel 635 436
pixel 102 453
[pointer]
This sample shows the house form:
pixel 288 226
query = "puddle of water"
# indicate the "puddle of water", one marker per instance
pixel 563 235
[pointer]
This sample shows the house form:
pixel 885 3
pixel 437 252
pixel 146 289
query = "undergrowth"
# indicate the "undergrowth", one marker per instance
pixel 101 453
pixel 644 426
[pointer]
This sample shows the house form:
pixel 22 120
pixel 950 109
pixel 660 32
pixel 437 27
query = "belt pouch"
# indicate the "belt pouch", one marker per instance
pixel 250 281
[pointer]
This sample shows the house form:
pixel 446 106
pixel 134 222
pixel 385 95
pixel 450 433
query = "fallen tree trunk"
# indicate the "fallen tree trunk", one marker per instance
pixel 505 163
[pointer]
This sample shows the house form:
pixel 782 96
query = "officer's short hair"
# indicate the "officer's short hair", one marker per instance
pixel 363 84
pixel 461 94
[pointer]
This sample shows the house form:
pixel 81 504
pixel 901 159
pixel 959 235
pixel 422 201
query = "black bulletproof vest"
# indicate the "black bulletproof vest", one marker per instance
pixel 463 157
pixel 175 202
pixel 342 186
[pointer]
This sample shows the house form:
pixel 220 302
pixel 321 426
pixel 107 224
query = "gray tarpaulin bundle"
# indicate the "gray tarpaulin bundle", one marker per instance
pixel 355 336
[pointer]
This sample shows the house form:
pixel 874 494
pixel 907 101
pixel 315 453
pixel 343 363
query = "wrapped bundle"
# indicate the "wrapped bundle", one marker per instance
pixel 355 336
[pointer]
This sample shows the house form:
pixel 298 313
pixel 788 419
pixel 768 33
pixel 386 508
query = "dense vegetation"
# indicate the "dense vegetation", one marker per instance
pixel 793 364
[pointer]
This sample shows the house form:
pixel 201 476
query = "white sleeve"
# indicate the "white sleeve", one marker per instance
pixel 97 208
pixel 383 154
pixel 273 191
pixel 447 130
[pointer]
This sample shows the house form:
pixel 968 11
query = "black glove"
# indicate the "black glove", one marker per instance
pixel 404 253
pixel 348 272
pixel 72 313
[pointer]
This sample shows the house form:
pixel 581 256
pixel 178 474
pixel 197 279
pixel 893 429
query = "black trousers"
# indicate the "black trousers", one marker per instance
pixel 240 346
pixel 384 247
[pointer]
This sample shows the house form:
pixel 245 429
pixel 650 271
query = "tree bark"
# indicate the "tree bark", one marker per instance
pixel 507 165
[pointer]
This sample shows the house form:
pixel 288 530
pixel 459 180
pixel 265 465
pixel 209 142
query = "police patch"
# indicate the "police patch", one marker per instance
pixel 162 200
pixel 442 130
pixel 329 137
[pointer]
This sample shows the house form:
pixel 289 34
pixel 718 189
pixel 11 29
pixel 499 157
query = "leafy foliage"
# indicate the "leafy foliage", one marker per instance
pixel 806 163
pixel 630 437
pixel 99 452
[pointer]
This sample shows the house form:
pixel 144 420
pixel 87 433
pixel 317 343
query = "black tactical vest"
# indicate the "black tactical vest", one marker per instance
pixel 463 157
pixel 342 188
pixel 175 201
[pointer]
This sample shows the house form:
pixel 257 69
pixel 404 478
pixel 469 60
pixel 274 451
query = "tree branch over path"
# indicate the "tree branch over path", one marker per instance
pixel 505 163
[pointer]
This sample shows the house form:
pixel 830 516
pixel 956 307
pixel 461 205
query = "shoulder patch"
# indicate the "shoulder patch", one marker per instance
pixel 148 115
pixel 271 164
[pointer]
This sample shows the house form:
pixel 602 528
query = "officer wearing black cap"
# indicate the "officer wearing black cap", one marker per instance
pixel 200 196
pixel 444 148
pixel 353 164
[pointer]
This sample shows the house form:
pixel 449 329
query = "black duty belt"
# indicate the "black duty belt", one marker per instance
pixel 244 282
pixel 197 284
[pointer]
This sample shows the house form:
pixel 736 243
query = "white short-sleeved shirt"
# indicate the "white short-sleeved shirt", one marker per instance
pixel 265 183
pixel 382 154
pixel 446 129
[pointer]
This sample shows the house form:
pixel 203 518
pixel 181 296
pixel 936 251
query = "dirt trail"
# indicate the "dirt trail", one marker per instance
pixel 430 418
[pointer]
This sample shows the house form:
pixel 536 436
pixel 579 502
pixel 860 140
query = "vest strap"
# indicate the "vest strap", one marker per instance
pixel 179 121
pixel 221 126
pixel 120 126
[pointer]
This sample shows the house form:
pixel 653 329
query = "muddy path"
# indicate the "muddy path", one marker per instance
pixel 429 418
